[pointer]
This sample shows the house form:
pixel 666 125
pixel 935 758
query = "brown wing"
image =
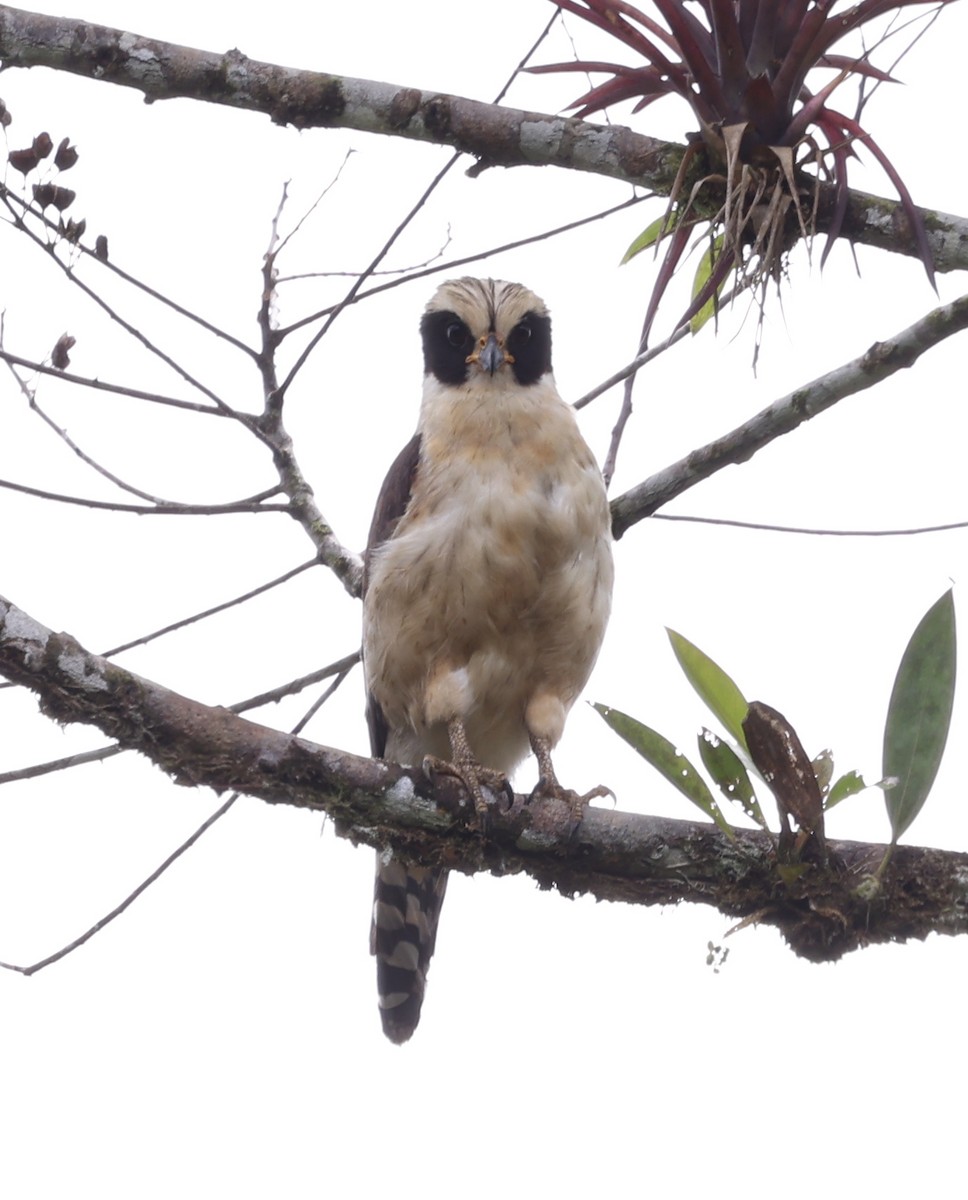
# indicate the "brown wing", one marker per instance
pixel 391 504
pixel 406 899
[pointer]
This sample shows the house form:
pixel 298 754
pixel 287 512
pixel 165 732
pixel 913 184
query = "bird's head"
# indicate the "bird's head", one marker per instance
pixel 474 328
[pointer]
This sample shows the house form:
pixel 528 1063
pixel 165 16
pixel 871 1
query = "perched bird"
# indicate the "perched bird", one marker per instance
pixel 487 588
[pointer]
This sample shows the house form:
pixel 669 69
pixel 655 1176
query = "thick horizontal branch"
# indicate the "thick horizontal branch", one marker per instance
pixel 786 414
pixel 823 913
pixel 496 136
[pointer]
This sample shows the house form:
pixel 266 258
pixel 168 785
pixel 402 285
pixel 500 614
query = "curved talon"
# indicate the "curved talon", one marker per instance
pixel 475 779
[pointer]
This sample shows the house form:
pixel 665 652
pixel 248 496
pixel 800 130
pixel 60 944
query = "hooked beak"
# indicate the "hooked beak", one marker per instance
pixel 490 355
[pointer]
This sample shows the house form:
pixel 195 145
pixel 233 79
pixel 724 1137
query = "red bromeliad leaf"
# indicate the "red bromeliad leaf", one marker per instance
pixel 746 64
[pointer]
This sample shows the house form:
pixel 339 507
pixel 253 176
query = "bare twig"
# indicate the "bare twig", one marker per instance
pixel 253 504
pixel 128 900
pixel 117 389
pixel 341 668
pixel 211 612
pixel 759 526
pixel 882 360
pixel 68 441
pixel 454 263
pixel 394 271
pixel 315 204
pixel 35 770
pixel 78 247
pixel 132 330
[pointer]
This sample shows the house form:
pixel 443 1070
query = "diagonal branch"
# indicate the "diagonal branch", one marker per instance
pixel 823 912
pixel 495 135
pixel 786 414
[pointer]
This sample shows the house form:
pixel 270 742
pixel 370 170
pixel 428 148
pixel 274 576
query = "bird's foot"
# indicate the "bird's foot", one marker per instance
pixel 476 778
pixel 548 787
pixel 577 802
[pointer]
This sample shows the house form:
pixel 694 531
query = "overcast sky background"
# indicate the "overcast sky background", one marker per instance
pixel 222 1038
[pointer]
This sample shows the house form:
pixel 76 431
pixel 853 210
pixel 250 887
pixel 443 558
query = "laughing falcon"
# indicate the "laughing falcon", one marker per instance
pixel 487 587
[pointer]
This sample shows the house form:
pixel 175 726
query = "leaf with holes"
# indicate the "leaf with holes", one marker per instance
pixel 661 754
pixel 729 774
pixel 847 785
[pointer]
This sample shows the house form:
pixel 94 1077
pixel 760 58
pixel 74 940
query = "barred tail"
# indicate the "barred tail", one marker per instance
pixel 406 908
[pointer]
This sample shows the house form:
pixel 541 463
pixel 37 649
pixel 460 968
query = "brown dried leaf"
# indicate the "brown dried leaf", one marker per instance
pixel 48 194
pixel 66 155
pixel 23 161
pixel 73 231
pixel 43 194
pixel 59 356
pixel 781 759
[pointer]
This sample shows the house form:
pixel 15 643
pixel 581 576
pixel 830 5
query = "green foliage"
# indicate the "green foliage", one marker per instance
pixel 649 236
pixel 661 754
pixel 915 734
pixel 729 774
pixel 847 785
pixel 699 285
pixel 715 688
pixel 919 714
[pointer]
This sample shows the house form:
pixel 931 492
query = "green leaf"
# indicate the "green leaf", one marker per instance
pixel 847 785
pixel 715 688
pixel 919 714
pixel 700 279
pixel 649 236
pixel 729 774
pixel 823 770
pixel 662 755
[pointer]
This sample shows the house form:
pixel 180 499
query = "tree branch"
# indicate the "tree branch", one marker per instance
pixel 496 136
pixel 786 414
pixel 823 913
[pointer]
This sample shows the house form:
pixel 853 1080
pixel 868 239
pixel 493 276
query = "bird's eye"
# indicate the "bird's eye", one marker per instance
pixel 522 332
pixel 456 333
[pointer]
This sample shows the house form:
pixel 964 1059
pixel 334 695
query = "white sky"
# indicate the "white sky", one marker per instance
pixel 222 1038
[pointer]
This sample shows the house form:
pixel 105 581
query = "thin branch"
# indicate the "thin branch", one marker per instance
pixel 71 275
pixel 56 235
pixel 341 668
pixel 114 388
pixel 211 612
pixel 35 770
pixel 129 900
pixel 254 504
pixel 350 662
pixel 823 912
pixel 495 135
pixel 315 204
pixel 31 398
pixel 454 263
pixel 882 360
pixel 303 508
pixel 412 269
pixel 761 527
